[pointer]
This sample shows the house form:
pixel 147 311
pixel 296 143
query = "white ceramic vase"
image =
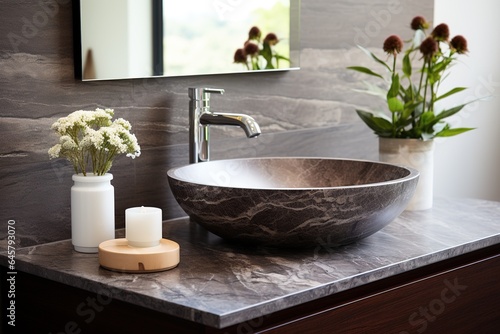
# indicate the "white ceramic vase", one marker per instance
pixel 414 153
pixel 92 211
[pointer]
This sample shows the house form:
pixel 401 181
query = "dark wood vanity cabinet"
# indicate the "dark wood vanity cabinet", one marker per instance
pixel 458 295
pixel 462 296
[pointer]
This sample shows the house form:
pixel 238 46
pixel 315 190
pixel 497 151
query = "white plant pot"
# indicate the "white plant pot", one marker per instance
pixel 414 153
pixel 92 211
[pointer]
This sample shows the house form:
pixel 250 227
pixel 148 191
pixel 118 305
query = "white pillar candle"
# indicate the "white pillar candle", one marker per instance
pixel 143 226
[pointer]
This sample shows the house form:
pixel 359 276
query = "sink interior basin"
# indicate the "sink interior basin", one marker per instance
pixel 293 202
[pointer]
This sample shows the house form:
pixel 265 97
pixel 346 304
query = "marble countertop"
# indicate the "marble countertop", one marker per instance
pixel 221 284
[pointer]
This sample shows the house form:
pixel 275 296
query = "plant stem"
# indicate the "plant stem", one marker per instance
pixel 394 126
pixel 431 102
pixel 413 115
pixel 428 64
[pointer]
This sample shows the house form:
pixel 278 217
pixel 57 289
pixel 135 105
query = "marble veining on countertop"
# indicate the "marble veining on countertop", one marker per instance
pixel 220 284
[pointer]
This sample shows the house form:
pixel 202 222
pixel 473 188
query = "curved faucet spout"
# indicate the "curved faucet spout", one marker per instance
pixel 201 117
pixel 247 123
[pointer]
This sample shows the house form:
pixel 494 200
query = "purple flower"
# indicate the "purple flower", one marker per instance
pixel 459 44
pixel 393 45
pixel 251 49
pixel 254 34
pixel 429 47
pixel 441 32
pixel 240 56
pixel 271 39
pixel 419 22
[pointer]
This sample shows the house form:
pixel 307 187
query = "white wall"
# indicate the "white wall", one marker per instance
pixel 140 38
pixel 468 165
pixel 119 33
pixel 102 32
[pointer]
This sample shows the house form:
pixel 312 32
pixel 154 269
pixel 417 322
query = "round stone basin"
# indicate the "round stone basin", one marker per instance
pixel 293 202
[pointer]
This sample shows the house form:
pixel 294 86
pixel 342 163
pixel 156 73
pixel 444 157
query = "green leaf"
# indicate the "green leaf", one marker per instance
pixel 407 65
pixel 403 123
pixel 414 105
pixel 427 120
pixel 277 56
pixel 394 89
pixel 442 65
pixel 395 104
pixel 266 52
pixel 379 125
pixel 451 92
pixel 372 55
pixel 365 70
pixel 452 132
pixel 449 112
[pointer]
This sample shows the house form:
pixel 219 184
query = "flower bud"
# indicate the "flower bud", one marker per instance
pixel 429 47
pixel 254 34
pixel 240 56
pixel 459 44
pixel 251 49
pixel 441 32
pixel 419 22
pixel 271 39
pixel 393 45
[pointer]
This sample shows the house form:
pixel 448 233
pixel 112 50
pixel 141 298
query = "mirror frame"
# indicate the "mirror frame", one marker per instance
pixel 158 51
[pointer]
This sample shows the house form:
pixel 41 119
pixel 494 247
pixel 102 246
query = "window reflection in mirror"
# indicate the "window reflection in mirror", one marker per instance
pixel 206 42
pixel 122 39
pixel 116 39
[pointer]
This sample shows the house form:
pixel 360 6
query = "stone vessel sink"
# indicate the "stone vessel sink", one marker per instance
pixel 293 202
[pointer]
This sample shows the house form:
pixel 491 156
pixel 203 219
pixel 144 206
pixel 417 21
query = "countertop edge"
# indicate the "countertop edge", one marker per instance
pixel 254 311
pixel 345 284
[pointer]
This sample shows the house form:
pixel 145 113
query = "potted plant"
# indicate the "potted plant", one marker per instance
pixel 412 119
pixel 91 140
pixel 257 54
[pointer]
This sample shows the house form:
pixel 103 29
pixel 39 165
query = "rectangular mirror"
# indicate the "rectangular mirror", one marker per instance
pixel 126 39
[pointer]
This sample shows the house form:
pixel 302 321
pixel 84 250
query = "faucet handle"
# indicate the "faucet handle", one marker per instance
pixel 203 93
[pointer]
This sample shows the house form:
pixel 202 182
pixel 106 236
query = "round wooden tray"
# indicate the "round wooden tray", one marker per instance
pixel 117 255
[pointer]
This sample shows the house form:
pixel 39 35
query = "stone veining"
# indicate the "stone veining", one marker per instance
pixel 220 284
pixel 292 202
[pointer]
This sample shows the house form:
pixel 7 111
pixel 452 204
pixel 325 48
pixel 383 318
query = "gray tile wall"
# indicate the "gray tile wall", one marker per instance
pixel 309 112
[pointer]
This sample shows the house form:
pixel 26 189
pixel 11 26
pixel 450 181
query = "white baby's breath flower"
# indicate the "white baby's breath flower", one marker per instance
pixel 61 125
pixel 120 122
pixel 67 143
pixel 103 116
pixel 134 148
pixel 134 155
pixel 54 151
pixel 112 139
pixel 92 136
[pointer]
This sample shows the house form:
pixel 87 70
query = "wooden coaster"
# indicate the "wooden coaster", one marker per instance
pixel 117 255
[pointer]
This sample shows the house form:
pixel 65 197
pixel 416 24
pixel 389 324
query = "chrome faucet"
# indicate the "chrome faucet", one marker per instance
pixel 201 117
